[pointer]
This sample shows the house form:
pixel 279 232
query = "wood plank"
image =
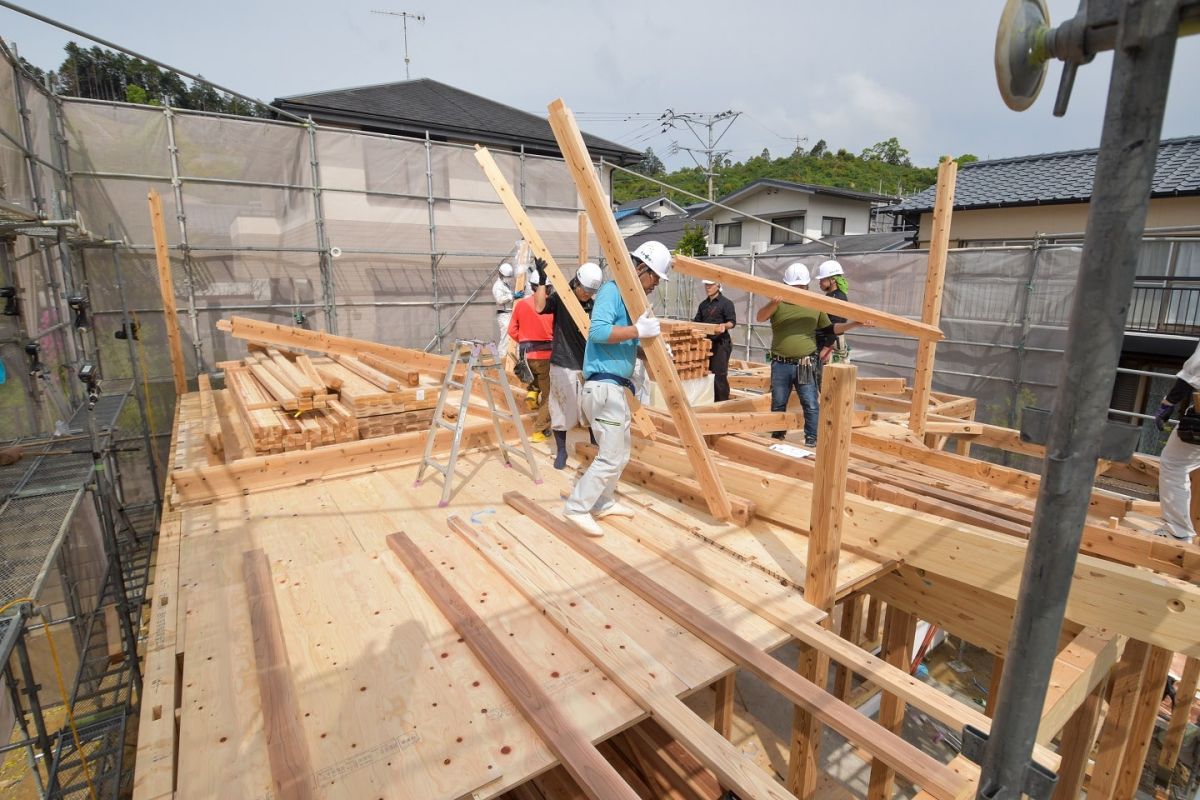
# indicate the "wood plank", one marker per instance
pixel 749 422
pixel 166 288
pixel 661 369
pixel 899 630
pixel 1185 698
pixel 1077 670
pixel 1078 737
pixel 723 715
pixel 291 768
pixel 584 763
pixel 407 377
pixel 931 309
pixel 880 385
pixel 381 379
pixel 802 297
pixel 1118 724
pixel 583 237
pixel 906 759
pixel 1143 723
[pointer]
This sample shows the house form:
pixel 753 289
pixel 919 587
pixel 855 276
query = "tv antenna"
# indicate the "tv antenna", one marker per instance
pixel 404 16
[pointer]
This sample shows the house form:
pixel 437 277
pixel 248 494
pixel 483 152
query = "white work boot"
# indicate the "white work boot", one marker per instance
pixel 614 510
pixel 1168 534
pixel 585 523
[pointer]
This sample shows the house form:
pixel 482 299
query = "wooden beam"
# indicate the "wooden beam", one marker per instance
pixel 291 768
pixel 899 630
pixel 583 237
pixel 661 367
pixel 166 287
pixel 851 628
pixel 906 759
pixel 1078 738
pixel 1077 670
pixel 824 552
pixel 749 422
pixel 879 385
pixel 562 736
pixel 1185 697
pixel 621 658
pixel 723 715
pixel 935 275
pixel 1118 724
pixel 1142 725
pixel 802 297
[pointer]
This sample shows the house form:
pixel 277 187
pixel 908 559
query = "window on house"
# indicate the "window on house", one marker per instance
pixel 833 226
pixel 794 223
pixel 729 235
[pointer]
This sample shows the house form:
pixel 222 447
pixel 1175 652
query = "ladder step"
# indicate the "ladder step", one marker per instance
pixel 441 423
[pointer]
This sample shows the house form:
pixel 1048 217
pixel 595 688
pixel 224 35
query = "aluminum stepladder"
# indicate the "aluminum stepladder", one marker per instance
pixel 483 362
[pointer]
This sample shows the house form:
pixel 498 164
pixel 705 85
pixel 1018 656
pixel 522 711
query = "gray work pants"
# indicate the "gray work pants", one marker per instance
pixel 605 405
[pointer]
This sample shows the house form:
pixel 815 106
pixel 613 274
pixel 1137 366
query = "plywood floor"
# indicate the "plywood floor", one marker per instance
pixel 388 702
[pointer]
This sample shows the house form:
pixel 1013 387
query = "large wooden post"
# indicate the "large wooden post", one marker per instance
pixel 824 546
pixel 1185 695
pixel 167 288
pixel 1078 737
pixel 899 629
pixel 1127 680
pixel 583 237
pixel 935 276
pixel 662 369
pixel 1145 713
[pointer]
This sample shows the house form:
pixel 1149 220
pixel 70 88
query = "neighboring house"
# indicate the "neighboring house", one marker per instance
pixel 807 210
pixel 1015 200
pixel 668 230
pixel 637 215
pixel 849 245
pixel 425 107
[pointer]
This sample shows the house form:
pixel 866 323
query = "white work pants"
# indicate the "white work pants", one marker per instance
pixel 502 320
pixel 1177 462
pixel 605 405
pixel 564 397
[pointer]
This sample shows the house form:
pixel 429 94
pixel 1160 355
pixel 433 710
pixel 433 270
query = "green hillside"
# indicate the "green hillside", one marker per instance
pixel 882 169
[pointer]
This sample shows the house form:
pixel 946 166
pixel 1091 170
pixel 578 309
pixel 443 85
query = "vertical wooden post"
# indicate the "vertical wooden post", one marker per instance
pixel 874 615
pixel 723 718
pixel 1142 726
pixel 583 237
pixel 899 629
pixel 1185 695
pixel 661 367
pixel 824 546
pixel 1114 737
pixel 994 686
pixel 852 617
pixel 167 287
pixel 1078 736
pixel 931 313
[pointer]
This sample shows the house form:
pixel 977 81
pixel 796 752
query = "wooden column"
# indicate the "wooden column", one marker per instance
pixel 723 717
pixel 824 545
pixel 899 629
pixel 1142 727
pixel 661 367
pixel 167 287
pixel 994 686
pixel 935 276
pixel 851 628
pixel 1185 695
pixel 1118 724
pixel 1078 736
pixel 583 237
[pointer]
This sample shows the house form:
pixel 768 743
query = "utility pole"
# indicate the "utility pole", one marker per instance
pixel 709 121
pixel 404 16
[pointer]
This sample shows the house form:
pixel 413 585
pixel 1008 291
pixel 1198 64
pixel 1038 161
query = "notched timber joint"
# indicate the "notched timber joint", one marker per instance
pixel 1039 781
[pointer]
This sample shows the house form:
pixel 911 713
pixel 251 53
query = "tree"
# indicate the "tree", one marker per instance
pixel 966 158
pixel 819 149
pixel 650 164
pixel 693 242
pixel 889 152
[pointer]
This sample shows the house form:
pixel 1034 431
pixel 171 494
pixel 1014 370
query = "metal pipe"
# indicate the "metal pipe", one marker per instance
pixel 1133 118
pixel 325 262
pixel 35 706
pixel 433 258
pixel 181 216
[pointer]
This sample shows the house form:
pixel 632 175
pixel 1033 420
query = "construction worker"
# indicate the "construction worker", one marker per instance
pixel 1181 455
pixel 608 360
pixel 503 295
pixel 566 353
pixel 533 333
pixel 793 354
pixel 717 309
pixel 832 281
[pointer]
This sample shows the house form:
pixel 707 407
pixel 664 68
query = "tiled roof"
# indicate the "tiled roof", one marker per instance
pixel 413 107
pixel 1058 178
pixel 811 188
pixel 668 230
pixel 850 243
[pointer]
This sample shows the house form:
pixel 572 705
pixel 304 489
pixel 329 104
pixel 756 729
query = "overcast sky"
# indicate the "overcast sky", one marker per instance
pixel 852 72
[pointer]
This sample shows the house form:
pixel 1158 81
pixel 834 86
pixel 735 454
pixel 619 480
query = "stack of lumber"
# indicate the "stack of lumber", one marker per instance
pixel 368 391
pixel 271 426
pixel 690 346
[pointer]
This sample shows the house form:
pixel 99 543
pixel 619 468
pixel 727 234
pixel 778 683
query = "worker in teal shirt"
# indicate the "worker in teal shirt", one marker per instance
pixel 607 368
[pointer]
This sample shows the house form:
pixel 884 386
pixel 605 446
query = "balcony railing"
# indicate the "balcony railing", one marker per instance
pixel 1165 305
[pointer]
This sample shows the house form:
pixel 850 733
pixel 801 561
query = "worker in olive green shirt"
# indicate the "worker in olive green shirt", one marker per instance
pixel 794 361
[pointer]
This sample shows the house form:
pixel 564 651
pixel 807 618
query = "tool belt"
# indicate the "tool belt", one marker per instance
pixel 806 366
pixel 535 347
pixel 1188 428
pixel 611 378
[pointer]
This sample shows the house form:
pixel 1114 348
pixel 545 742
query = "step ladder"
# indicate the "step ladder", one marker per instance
pixel 483 361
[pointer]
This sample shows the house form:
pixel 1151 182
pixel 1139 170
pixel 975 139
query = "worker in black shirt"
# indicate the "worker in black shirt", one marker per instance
pixel 566 352
pixel 717 309
pixel 832 281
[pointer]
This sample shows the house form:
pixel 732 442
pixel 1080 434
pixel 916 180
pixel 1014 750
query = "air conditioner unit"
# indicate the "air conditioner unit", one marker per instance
pixel 758 247
pixel 716 249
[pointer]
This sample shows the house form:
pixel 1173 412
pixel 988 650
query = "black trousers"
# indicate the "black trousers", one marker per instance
pixel 718 365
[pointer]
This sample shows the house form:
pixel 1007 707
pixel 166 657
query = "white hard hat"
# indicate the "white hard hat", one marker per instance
pixel 796 275
pixel 589 276
pixel 656 256
pixel 828 269
pixel 707 282
pixel 506 269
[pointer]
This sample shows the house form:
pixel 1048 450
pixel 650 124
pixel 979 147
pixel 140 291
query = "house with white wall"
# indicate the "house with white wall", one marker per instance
pixel 637 215
pixel 802 211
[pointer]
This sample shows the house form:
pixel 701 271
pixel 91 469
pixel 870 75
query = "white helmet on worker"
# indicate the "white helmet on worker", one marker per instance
pixel 796 275
pixel 656 256
pixel 506 270
pixel 828 269
pixel 589 276
pixel 707 282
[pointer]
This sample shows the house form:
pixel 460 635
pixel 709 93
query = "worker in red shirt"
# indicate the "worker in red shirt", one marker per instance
pixel 534 334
